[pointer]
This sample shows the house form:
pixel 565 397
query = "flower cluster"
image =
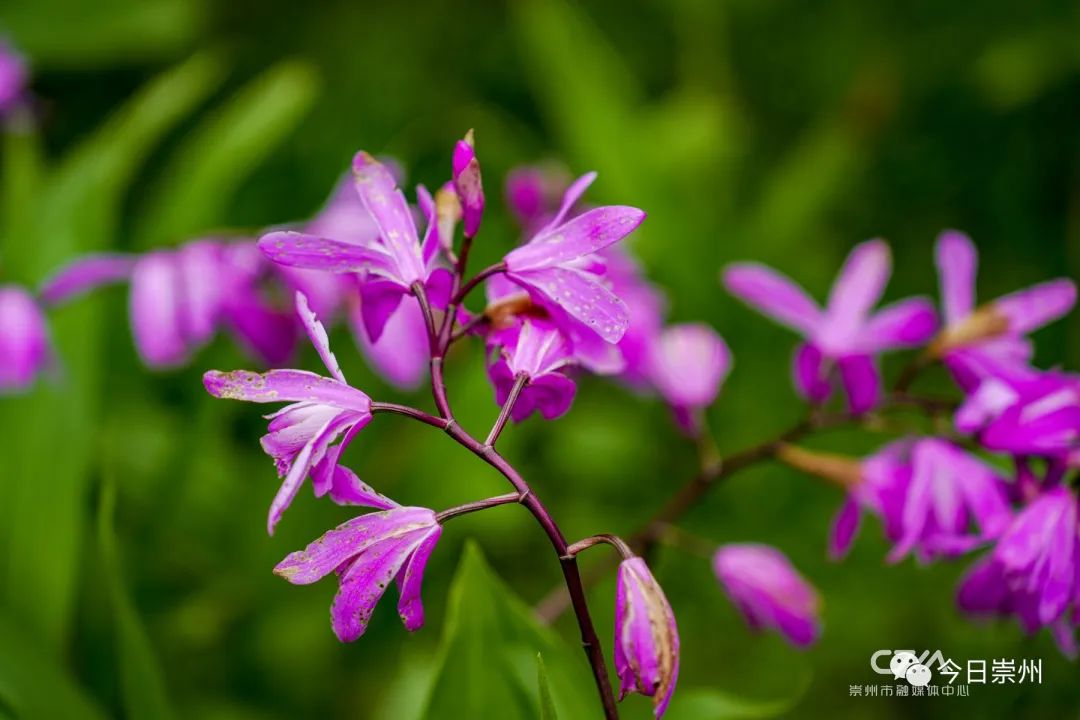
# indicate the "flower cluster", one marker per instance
pixel 938 496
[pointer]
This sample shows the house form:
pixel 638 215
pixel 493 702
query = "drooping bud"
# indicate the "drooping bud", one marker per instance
pixel 470 190
pixel 646 638
pixel 843 470
pixel 984 323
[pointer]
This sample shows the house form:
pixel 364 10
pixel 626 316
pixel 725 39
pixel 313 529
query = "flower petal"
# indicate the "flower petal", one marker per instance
pixel 285 386
pixel 860 378
pixel 581 296
pixel 325 555
pixel 587 233
pixel 570 198
pixel 1037 305
pixel 858 287
pixel 317 334
pixel 302 250
pixel 410 607
pixel 844 529
pixel 957 262
pixel 86 273
pixel 387 205
pixel 155 310
pixel 811 374
pixel 400 356
pixel 906 323
pixel 774 295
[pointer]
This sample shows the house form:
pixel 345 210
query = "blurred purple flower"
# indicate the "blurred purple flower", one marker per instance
pixel 301 435
pixel 928 494
pixel 13 78
pixel 976 340
pixel 689 363
pixel 389 265
pixel 646 637
pixel 533 193
pixel 467 184
pixel 845 333
pixel 560 269
pixel 1025 412
pixel 538 351
pixel 180 298
pixel 769 591
pixel 645 306
pixel 1032 572
pixel 368 553
pixel 24 339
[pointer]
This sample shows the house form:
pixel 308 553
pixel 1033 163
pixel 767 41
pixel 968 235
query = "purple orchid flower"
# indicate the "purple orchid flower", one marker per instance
pixel 533 194
pixel 645 306
pixel 536 350
pixel 390 266
pixel 368 553
pixel 1025 412
pixel 467 184
pixel 13 78
pixel 975 341
pixel 928 493
pixel 646 637
pixel 845 333
pixel 180 298
pixel 689 364
pixel 560 270
pixel 1032 572
pixel 301 435
pixel 769 591
pixel 24 339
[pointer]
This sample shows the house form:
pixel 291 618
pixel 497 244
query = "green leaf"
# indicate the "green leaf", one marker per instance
pixel 142 683
pixel 488 654
pixel 547 705
pixel 20 186
pixel 217 156
pixel 710 704
pixel 32 685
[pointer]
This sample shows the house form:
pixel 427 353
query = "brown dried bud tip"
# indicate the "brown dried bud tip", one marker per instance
pixel 501 313
pixel 843 470
pixel 985 323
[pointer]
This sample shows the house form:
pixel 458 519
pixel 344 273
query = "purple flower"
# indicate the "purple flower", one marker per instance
pixel 24 339
pixel 467 184
pixel 646 638
pixel 368 553
pixel 689 363
pixel 931 496
pixel 533 194
pixel 536 350
pixel 559 267
pixel 1032 571
pixel 769 591
pixel 1025 412
pixel 976 340
pixel 180 298
pixel 845 333
pixel 389 265
pixel 301 435
pixel 13 78
pixel 645 306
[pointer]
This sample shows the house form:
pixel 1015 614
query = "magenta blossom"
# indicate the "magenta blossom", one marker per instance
pixel 974 340
pixel 467 185
pixel 845 334
pixel 536 351
pixel 1025 413
pixel 560 269
pixel 368 553
pixel 689 363
pixel 645 305
pixel 390 266
pixel 928 493
pixel 24 339
pixel 13 78
pixel 180 298
pixel 1032 572
pixel 301 435
pixel 769 592
pixel 533 194
pixel 646 637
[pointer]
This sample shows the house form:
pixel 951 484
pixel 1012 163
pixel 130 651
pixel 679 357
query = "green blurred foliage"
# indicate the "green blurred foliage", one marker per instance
pixel 775 130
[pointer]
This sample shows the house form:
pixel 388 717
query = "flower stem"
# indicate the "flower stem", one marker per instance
pixel 520 380
pixel 613 540
pixel 475 280
pixel 477 505
pixel 415 414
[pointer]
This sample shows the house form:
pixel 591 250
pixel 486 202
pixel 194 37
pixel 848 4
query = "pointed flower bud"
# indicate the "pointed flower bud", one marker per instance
pixel 467 183
pixel 646 638
pixel 769 591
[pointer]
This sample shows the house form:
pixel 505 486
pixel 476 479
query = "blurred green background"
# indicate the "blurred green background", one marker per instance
pixel 134 565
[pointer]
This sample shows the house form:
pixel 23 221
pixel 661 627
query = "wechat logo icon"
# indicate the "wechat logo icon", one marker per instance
pixel 905 665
